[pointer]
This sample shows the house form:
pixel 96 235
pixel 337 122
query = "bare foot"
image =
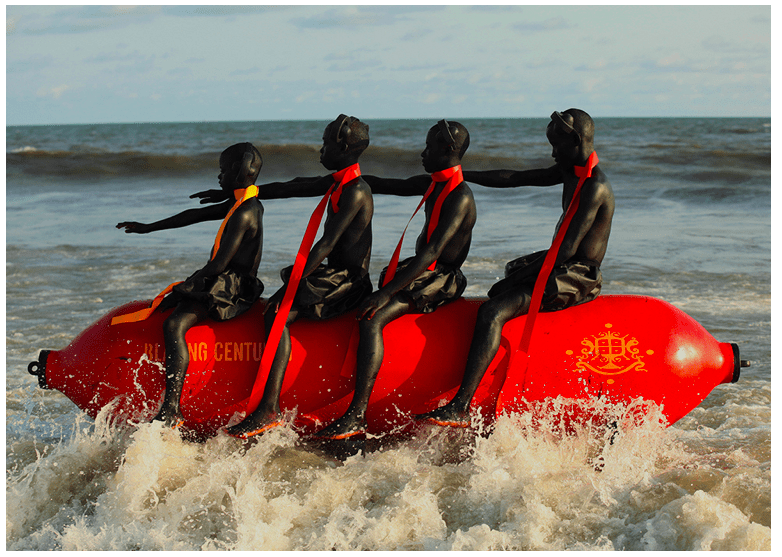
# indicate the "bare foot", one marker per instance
pixel 256 423
pixel 345 427
pixel 171 417
pixel 446 416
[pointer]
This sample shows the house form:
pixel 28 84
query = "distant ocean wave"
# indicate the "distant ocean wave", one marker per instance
pixel 294 160
pixel 718 159
pixel 683 160
pixel 679 175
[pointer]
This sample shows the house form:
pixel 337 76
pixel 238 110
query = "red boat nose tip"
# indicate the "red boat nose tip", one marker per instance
pixel 738 363
pixel 38 368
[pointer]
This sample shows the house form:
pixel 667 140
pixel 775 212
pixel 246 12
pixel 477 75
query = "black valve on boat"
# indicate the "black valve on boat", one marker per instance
pixel 38 368
pixel 738 363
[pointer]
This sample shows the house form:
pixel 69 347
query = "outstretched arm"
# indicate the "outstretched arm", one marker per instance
pixel 313 187
pixel 416 185
pixel 185 218
pixel 515 178
pixel 298 187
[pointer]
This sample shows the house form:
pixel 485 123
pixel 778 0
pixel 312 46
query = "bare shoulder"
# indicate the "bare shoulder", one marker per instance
pixel 598 191
pixel 465 193
pixel 250 211
pixel 360 191
pixel 598 184
pixel 358 195
pixel 461 199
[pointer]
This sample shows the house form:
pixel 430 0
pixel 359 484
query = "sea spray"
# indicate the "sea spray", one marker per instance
pixel 527 485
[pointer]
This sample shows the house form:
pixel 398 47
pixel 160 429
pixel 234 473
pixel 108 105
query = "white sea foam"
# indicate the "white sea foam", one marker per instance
pixel 523 487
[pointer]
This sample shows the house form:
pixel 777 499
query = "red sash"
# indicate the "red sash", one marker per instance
pixel 241 195
pixel 583 172
pixel 454 177
pixel 275 334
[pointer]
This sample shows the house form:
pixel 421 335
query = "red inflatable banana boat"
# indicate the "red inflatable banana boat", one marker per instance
pixel 616 348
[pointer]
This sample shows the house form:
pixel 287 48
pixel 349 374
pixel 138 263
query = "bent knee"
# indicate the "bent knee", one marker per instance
pixel 494 312
pixel 487 314
pixel 370 327
pixel 175 326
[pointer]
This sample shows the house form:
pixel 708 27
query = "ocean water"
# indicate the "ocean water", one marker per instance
pixel 692 227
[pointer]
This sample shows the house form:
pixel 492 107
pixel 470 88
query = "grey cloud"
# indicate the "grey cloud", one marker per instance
pixel 719 44
pixel 415 68
pixel 220 11
pixel 551 24
pixel 654 66
pixel 354 65
pixel 76 19
pixel 37 62
pixel 179 72
pixel 52 20
pixel 495 9
pixel 360 15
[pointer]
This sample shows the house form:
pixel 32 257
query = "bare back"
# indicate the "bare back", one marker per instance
pixel 588 232
pixel 243 236
pixel 457 220
pixel 352 227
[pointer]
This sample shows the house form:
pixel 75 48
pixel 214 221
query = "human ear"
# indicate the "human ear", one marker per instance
pixel 245 167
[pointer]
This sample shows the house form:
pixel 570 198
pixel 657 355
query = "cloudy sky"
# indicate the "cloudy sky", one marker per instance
pixel 96 64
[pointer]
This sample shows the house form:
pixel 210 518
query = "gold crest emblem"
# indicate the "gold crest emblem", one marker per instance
pixel 610 353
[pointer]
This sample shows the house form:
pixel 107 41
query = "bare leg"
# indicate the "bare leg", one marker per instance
pixel 492 317
pixel 268 414
pixel 185 315
pixel 369 358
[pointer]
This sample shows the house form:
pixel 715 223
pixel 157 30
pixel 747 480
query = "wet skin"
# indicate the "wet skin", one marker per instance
pixel 449 245
pixel 586 237
pixel 346 243
pixel 240 249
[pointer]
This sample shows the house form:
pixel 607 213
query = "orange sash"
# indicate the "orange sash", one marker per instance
pixel 241 195
pixel 275 334
pixel 454 177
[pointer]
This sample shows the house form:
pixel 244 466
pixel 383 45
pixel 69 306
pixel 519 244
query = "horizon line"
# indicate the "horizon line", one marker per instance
pixel 366 119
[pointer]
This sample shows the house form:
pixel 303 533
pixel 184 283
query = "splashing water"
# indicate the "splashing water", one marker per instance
pixel 531 484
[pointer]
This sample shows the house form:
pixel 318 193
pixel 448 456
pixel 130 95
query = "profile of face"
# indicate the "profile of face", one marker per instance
pixel 229 166
pixel 437 155
pixel 240 166
pixel 564 140
pixel 333 150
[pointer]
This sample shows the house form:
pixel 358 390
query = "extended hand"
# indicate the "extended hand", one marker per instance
pixel 210 196
pixel 273 304
pixel 375 301
pixel 134 227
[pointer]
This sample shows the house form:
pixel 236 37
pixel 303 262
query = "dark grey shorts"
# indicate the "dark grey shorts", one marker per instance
pixel 329 292
pixel 572 283
pixel 225 296
pixel 432 289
